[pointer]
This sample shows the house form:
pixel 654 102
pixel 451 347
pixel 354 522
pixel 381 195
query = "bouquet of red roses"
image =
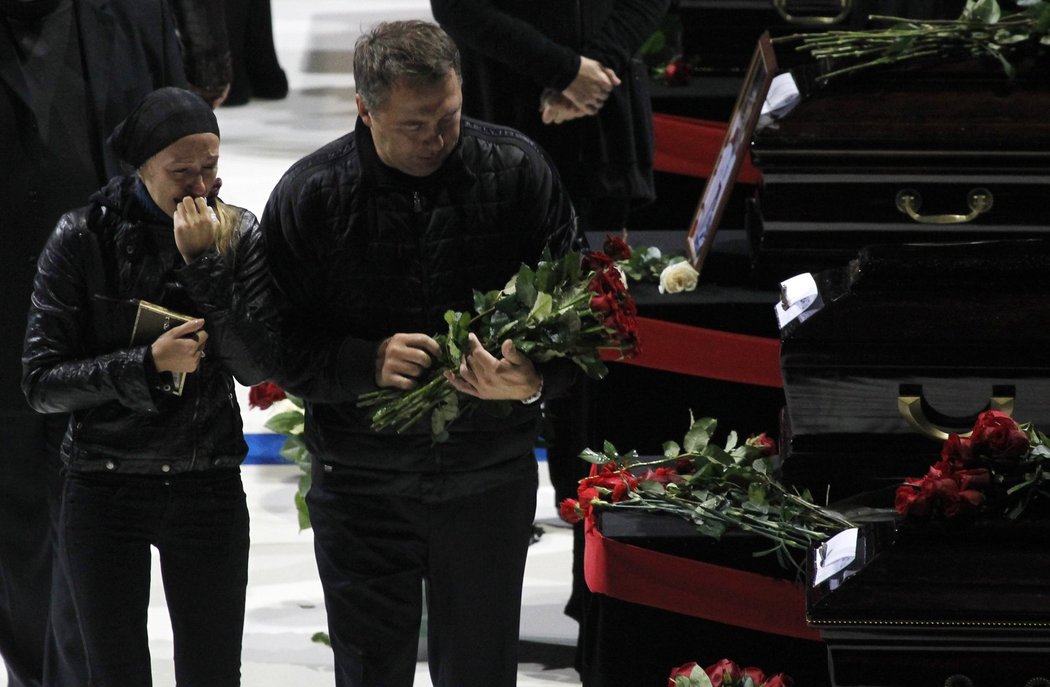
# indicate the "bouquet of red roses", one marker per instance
pixel 999 466
pixel 725 673
pixel 572 307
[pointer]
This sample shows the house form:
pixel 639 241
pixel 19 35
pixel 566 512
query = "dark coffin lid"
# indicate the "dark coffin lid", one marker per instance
pixel 955 325
pixel 924 119
pixel 987 573
pixel 952 300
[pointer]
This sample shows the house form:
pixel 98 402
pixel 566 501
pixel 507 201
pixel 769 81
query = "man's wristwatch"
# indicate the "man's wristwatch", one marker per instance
pixel 536 396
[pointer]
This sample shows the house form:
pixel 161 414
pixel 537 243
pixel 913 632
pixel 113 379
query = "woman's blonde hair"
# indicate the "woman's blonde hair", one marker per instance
pixel 226 233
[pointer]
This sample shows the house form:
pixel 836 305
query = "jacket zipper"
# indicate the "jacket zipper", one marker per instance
pixel 417 208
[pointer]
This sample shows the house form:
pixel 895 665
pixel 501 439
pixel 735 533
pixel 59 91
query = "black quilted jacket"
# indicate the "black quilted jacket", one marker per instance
pixel 360 251
pixel 77 357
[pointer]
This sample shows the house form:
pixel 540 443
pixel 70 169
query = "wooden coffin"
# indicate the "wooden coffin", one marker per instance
pixel 906 344
pixel 957 154
pixel 929 604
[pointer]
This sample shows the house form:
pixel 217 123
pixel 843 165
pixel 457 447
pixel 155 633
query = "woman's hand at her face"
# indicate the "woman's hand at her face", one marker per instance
pixel 195 225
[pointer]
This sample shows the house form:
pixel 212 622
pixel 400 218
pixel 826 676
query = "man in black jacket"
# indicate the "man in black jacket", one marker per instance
pixel 371 240
pixel 70 70
pixel 565 74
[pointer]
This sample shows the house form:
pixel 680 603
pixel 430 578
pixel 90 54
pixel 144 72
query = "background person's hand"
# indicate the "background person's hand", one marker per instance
pixel 403 358
pixel 181 348
pixel 592 86
pixel 195 225
pixel 555 108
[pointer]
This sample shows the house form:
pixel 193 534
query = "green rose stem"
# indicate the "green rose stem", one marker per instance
pixel 909 40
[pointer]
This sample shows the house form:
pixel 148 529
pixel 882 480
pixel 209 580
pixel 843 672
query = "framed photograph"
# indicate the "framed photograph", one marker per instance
pixel 735 146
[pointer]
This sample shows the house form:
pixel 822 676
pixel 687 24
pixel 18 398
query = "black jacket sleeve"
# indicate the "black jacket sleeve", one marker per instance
pixel 235 297
pixel 58 375
pixel 501 36
pixel 317 365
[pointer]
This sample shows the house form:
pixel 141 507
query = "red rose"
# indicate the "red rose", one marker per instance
pixel 605 302
pixel 596 261
pixel 766 445
pixel 663 476
pixel 911 500
pixel 569 511
pixel 264 395
pixel 973 477
pixel 616 248
pixel 618 483
pixel 725 672
pixel 685 466
pixel 588 495
pixel 957 450
pixel 779 680
pixel 997 435
pixel 757 676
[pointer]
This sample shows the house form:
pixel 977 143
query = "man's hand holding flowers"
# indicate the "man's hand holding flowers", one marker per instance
pixel 573 307
pixel 483 375
pixel 403 358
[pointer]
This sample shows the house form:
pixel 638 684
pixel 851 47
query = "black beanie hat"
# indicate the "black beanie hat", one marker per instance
pixel 163 117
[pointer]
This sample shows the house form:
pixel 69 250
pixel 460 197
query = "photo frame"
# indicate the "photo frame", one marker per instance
pixel 735 146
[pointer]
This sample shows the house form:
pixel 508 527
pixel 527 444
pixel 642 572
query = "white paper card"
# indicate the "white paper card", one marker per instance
pixel 834 555
pixel 783 94
pixel 797 295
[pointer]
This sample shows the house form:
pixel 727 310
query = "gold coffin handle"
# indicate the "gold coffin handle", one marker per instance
pixel 782 8
pixel 918 413
pixel 909 201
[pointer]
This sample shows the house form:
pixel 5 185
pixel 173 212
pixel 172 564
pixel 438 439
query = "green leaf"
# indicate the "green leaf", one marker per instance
pixel 286 422
pixel 756 492
pixel 651 487
pixel 592 456
pixel 302 511
pixel 526 286
pixel 546 277
pixel 656 42
pixel 698 436
pixel 731 441
pixel 985 11
pixel 321 638
pixel 671 449
pixel 541 308
pixel 1042 24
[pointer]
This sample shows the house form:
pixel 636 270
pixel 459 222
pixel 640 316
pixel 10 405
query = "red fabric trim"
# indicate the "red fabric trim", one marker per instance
pixel 702 590
pixel 707 353
pixel 688 146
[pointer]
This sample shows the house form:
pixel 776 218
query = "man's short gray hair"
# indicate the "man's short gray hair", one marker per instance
pixel 415 51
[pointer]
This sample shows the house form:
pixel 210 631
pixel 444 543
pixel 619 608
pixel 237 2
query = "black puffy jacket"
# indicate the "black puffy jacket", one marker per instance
pixel 360 251
pixel 77 357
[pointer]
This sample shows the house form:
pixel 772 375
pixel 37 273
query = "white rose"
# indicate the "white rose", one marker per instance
pixel 678 277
